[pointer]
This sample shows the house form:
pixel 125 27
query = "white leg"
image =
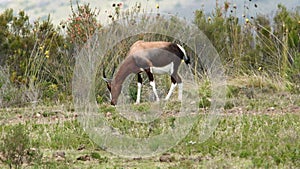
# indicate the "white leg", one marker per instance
pixel 173 85
pixel 138 97
pixel 154 90
pixel 180 88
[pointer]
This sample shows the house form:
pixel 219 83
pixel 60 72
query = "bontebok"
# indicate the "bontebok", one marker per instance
pixel 153 58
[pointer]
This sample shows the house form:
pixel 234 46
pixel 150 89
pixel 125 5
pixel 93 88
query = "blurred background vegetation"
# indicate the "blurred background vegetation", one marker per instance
pixel 37 58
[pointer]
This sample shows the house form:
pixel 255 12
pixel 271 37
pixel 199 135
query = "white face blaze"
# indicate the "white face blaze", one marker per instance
pixel 168 69
pixel 110 97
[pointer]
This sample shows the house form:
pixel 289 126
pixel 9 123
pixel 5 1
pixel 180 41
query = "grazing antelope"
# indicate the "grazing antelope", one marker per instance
pixel 153 58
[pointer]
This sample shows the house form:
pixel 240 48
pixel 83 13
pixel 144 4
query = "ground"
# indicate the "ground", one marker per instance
pixel 254 132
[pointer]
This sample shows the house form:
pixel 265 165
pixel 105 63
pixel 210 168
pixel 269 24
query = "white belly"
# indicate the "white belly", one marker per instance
pixel 168 69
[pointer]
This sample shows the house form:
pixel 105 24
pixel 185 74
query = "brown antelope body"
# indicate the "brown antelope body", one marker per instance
pixel 157 57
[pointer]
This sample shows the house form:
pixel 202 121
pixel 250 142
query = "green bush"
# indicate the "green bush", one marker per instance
pixel 16 148
pixel 205 95
pixel 39 55
pixel 253 45
pixel 9 94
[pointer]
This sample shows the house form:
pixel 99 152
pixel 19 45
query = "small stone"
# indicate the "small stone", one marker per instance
pixel 59 155
pixel 271 109
pixel 165 158
pixel 108 114
pixel 137 158
pixel 84 158
pixel 81 147
pixel 38 115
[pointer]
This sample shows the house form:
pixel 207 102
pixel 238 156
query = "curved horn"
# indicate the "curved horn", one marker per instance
pixel 113 71
pixel 103 73
pixel 104 76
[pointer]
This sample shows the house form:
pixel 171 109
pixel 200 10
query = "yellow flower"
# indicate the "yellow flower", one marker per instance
pixel 13 76
pixel 47 54
pixel 247 20
pixel 259 68
pixel 157 6
pixel 33 78
pixel 53 87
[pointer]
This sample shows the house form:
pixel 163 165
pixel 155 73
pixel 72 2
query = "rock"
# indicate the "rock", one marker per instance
pixel 165 158
pixel 59 155
pixel 108 115
pixel 81 147
pixel 137 158
pixel 84 158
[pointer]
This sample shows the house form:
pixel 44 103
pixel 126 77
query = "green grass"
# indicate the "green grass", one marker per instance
pixel 261 131
pixel 239 141
pixel 138 129
pixel 263 140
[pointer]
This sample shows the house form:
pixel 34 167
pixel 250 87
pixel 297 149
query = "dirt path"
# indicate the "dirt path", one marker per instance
pixel 40 114
pixel 56 114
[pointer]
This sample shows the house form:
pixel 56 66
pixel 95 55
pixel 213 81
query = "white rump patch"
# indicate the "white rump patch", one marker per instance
pixel 168 69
